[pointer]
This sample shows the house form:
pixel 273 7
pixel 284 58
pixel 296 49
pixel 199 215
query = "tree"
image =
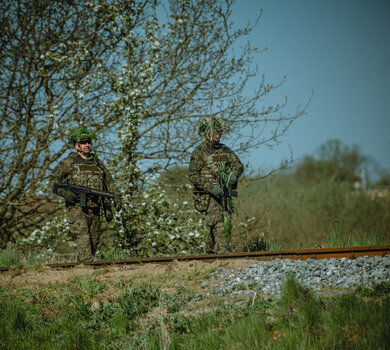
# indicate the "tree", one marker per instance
pixel 332 161
pixel 137 71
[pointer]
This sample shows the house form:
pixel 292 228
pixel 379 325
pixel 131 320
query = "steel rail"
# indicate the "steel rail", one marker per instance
pixel 297 254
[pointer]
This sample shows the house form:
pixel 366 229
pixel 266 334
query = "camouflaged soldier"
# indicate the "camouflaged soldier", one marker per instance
pixel 84 168
pixel 204 174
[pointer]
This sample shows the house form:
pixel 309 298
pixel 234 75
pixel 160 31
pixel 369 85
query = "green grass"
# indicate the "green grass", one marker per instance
pixel 294 215
pixel 337 238
pixel 140 315
pixel 281 212
pixel 13 257
pixel 8 258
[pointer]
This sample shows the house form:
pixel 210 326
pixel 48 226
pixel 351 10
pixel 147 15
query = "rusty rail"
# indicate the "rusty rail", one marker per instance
pixel 297 254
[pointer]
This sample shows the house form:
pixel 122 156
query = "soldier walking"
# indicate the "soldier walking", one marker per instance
pixel 207 163
pixel 84 168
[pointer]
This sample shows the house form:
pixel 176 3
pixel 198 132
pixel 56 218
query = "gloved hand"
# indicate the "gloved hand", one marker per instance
pixel 216 192
pixel 232 180
pixel 68 195
pixel 117 202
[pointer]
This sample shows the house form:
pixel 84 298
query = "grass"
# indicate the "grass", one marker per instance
pixel 281 212
pixel 8 258
pixel 297 215
pixel 337 238
pixel 138 313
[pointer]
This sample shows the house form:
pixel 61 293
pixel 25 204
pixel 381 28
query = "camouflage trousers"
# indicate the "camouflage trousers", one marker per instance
pixel 216 241
pixel 84 227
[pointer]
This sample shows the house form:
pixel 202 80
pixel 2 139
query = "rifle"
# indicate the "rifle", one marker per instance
pixel 227 202
pixel 227 192
pixel 84 192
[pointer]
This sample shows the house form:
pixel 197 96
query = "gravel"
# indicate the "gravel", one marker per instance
pixel 325 275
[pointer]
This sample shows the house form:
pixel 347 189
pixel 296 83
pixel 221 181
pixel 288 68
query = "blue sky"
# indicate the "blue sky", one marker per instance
pixel 341 50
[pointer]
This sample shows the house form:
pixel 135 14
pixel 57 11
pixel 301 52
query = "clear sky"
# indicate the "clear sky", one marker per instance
pixel 341 50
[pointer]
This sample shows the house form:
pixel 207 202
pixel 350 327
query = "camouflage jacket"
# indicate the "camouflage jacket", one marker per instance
pixel 90 172
pixel 204 165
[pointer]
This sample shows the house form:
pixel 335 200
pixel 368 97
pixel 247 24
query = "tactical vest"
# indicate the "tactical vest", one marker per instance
pixel 87 173
pixel 210 170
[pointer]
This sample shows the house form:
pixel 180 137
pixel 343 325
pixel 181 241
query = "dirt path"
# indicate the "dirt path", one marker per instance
pixel 47 275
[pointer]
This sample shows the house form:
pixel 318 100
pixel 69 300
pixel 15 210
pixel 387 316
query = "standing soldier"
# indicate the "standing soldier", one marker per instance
pixel 214 170
pixel 84 168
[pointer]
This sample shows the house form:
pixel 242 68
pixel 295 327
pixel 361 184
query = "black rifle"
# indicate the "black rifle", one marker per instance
pixel 84 192
pixel 226 192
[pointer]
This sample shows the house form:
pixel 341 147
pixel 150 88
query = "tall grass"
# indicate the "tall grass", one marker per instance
pixel 281 212
pixel 9 258
pixel 297 215
pixel 69 320
pixel 337 238
pixel 143 316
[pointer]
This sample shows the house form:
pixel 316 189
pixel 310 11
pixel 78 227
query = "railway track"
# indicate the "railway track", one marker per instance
pixel 298 254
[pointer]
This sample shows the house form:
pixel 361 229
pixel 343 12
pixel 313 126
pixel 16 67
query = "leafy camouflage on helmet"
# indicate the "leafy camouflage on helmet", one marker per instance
pixel 211 126
pixel 81 133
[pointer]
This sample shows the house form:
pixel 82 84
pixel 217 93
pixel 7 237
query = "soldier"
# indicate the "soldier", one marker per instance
pixel 84 168
pixel 207 161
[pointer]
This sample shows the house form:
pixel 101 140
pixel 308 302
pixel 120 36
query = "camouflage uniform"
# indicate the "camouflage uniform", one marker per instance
pixel 204 175
pixel 84 222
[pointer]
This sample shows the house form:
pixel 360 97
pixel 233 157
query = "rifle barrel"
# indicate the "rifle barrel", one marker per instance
pixel 83 189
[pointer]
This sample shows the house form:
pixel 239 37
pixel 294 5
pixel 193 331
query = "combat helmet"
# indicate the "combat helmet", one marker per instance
pixel 81 133
pixel 212 125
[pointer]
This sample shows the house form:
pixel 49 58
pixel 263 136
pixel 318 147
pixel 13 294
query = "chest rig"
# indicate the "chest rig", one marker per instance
pixel 213 157
pixel 87 173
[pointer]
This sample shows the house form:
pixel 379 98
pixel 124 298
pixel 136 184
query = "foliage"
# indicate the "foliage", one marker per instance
pixel 50 52
pixel 271 213
pixel 80 133
pixel 334 162
pixel 139 72
pixel 151 225
pixel 376 290
pixel 384 180
pixel 142 315
pixel 293 214
pixel 78 326
pixel 336 238
pixel 210 126
pixel 9 258
pixel 46 239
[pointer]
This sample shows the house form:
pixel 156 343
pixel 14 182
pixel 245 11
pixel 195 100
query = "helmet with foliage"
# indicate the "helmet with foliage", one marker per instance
pixel 212 125
pixel 81 133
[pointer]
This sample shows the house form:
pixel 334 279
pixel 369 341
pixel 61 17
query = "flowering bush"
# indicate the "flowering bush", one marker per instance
pixel 45 241
pixel 150 224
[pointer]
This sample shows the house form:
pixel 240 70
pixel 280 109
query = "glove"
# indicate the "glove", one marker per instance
pixel 118 203
pixel 216 192
pixel 232 180
pixel 68 195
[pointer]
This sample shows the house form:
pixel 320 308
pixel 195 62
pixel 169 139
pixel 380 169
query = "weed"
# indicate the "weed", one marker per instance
pixel 377 290
pixel 335 237
pixel 10 258
pixel 130 321
pixel 88 285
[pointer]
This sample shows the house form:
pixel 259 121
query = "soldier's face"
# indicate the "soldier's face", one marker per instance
pixel 215 137
pixel 84 146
